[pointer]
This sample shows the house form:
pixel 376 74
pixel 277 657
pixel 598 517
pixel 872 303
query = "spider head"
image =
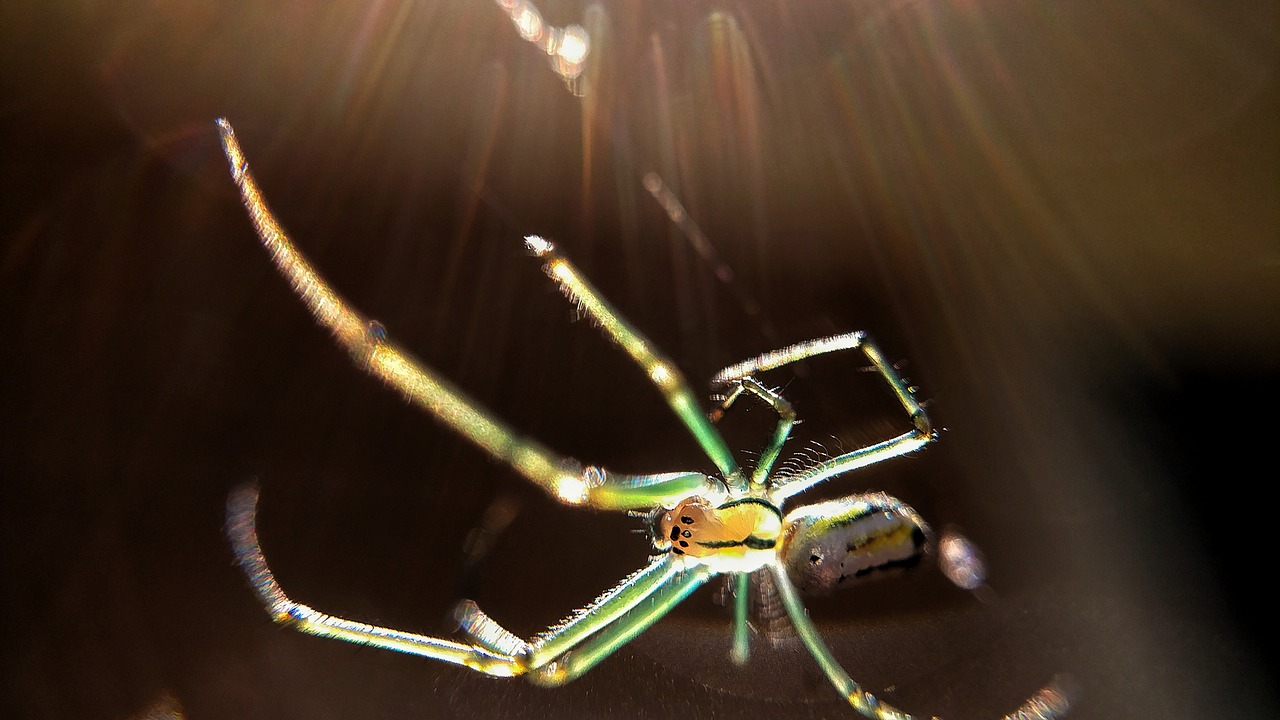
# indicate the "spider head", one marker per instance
pixel 672 528
pixel 739 531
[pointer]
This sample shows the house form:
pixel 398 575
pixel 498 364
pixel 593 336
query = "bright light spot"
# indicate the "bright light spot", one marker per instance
pixel 961 561
pixel 562 272
pixel 574 45
pixel 537 245
pixel 571 490
pixel 660 375
pixel 528 21
pixel 568 47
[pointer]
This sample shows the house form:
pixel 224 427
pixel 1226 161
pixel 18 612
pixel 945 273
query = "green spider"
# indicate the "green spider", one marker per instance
pixel 700 526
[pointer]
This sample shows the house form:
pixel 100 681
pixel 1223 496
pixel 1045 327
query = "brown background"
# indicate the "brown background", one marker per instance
pixel 1062 217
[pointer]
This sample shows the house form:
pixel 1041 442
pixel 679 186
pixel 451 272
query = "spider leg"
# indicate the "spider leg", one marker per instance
pixel 555 657
pixel 563 478
pixel 241 512
pixel 1051 702
pixel 786 420
pixel 595 632
pixel 661 371
pixel 861 700
pixel 741 651
pixel 920 435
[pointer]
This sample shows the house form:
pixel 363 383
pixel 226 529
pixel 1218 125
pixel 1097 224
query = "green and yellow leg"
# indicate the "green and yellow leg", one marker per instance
pixel 595 632
pixel 241 530
pixel 786 420
pixel 661 372
pixel 563 478
pixel 920 435
pixel 741 650
pixel 1052 702
pixel 555 657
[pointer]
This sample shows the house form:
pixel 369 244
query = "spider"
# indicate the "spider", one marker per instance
pixel 700 526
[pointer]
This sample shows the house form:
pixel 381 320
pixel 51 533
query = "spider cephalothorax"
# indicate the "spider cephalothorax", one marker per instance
pixel 735 529
pixel 740 532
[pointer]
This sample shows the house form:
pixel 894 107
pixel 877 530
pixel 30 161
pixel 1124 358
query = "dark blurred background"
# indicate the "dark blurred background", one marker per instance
pixel 1062 218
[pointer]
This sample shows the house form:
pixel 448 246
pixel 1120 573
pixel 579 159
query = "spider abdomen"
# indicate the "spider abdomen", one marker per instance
pixel 828 544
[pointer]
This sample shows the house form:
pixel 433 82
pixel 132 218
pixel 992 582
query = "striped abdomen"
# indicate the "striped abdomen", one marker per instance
pixel 830 543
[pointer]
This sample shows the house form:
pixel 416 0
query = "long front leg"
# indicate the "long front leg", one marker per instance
pixel 661 371
pixel 563 478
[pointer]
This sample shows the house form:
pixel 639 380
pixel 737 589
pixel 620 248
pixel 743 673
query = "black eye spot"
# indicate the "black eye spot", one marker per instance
pixel 815 559
pixel 686 533
pixel 684 544
pixel 677 551
pixel 675 534
pixel 686 519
